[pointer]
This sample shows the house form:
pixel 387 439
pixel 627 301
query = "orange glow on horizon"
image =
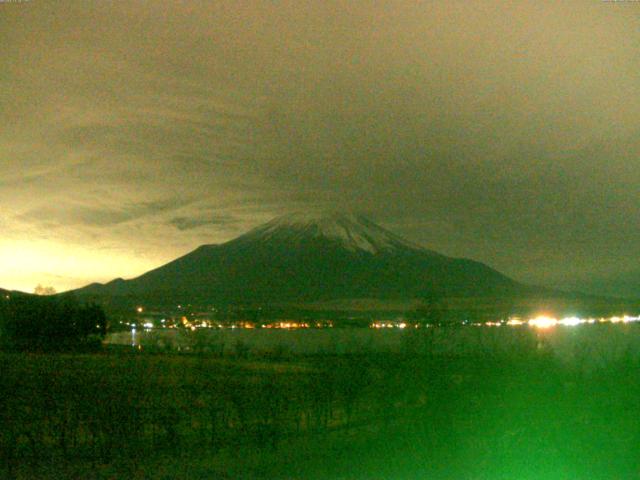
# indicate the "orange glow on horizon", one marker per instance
pixel 27 263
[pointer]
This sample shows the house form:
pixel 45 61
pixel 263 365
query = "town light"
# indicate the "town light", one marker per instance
pixel 571 321
pixel 543 322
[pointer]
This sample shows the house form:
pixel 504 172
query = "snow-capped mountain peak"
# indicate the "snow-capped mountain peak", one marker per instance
pixel 353 232
pixel 306 258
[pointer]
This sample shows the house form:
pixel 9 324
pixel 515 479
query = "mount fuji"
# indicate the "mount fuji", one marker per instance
pixel 305 257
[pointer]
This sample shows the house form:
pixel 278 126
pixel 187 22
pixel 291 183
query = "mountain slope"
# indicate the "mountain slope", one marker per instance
pixel 305 257
pixel 619 284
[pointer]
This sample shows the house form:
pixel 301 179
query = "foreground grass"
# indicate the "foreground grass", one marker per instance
pixel 525 416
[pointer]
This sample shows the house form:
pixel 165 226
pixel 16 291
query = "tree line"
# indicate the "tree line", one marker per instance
pixel 50 323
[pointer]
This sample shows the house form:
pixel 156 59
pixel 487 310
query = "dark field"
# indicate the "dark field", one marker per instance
pixel 525 415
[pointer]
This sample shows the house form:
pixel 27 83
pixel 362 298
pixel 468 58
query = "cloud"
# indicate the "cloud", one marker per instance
pixel 186 223
pixel 64 216
pixel 505 133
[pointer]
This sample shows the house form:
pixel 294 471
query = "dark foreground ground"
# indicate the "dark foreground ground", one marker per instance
pixel 135 416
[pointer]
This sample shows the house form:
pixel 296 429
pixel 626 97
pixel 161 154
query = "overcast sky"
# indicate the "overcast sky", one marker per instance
pixel 134 131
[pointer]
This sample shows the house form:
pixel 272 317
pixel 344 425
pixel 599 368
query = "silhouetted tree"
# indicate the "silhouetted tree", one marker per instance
pixel 30 322
pixel 430 310
pixel 40 290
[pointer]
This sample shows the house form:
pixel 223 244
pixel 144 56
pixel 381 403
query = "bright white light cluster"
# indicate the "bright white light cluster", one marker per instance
pixel 544 321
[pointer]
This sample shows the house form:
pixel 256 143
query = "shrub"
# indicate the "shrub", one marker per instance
pixel 29 323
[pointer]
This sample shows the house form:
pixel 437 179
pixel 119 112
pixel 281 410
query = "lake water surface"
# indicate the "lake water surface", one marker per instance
pixel 587 344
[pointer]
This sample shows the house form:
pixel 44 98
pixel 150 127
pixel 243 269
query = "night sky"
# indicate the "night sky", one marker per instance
pixel 134 131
